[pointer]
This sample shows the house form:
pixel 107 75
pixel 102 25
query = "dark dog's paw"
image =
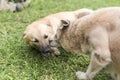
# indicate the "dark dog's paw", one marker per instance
pixel 56 51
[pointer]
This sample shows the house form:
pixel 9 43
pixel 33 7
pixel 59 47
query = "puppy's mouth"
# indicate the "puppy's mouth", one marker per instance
pixel 45 51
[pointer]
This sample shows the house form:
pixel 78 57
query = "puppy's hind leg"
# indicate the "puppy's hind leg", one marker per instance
pixel 100 56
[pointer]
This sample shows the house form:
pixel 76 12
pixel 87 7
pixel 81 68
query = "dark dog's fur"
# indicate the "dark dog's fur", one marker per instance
pixel 13 6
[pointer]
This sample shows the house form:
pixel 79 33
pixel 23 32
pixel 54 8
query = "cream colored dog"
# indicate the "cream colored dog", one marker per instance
pixel 38 33
pixel 97 33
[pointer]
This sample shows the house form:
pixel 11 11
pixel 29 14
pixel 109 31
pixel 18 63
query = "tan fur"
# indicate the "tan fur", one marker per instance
pixel 99 34
pixel 48 26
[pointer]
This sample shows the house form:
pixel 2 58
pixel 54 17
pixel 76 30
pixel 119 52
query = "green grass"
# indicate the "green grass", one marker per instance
pixel 20 62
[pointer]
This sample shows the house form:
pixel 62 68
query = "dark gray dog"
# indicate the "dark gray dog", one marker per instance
pixel 13 5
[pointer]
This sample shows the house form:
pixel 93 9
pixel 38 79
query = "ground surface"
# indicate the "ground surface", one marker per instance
pixel 20 62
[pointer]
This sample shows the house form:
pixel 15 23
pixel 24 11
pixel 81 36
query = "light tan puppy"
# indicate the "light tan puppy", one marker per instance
pixel 97 34
pixel 38 33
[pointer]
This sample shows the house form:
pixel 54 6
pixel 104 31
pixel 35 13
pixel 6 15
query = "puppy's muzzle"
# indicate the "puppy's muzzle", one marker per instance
pixel 46 49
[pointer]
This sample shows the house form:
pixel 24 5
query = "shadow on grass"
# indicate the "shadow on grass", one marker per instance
pixel 63 66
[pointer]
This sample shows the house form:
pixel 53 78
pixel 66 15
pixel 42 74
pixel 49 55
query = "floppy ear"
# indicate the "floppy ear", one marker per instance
pixel 64 24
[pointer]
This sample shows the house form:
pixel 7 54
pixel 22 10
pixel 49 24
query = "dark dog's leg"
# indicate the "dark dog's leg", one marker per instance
pixel 100 56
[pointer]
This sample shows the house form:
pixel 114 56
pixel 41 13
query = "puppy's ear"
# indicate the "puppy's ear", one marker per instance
pixel 64 24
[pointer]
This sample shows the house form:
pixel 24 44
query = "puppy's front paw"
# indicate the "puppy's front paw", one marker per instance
pixel 81 75
pixel 56 51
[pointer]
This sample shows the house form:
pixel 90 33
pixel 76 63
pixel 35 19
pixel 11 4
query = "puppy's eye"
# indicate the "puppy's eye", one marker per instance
pixel 45 36
pixel 36 40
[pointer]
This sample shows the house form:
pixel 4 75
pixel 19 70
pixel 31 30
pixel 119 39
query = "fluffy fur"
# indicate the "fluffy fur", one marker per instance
pixel 38 33
pixel 97 34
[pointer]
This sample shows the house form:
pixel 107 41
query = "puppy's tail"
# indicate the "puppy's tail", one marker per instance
pixel 83 12
pixel 22 5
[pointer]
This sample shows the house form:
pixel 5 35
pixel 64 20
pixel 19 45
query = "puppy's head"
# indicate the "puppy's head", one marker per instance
pixel 65 24
pixel 60 32
pixel 37 36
